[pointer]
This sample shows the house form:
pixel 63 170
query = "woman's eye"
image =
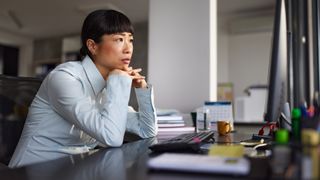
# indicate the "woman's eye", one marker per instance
pixel 131 40
pixel 119 39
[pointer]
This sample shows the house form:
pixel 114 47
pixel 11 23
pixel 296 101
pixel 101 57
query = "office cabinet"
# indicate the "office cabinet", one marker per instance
pixel 48 53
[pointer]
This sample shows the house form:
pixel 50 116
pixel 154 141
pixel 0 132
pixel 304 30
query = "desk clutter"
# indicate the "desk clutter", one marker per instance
pixel 197 153
pixel 290 144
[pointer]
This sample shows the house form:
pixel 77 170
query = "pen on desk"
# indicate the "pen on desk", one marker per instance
pixel 296 123
pixel 303 109
pixel 311 111
pixel 316 104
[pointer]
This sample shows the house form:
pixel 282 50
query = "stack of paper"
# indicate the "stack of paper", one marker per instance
pixel 170 121
pixel 171 124
pixel 169 118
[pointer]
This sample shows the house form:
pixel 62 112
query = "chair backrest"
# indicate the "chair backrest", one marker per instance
pixel 3 166
pixel 16 94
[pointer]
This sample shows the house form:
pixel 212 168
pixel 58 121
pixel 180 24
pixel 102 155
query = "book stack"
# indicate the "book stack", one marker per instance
pixel 174 120
pixel 171 123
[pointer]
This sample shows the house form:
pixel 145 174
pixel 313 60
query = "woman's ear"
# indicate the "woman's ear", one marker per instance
pixel 92 47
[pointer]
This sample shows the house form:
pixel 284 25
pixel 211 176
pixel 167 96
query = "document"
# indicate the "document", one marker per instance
pixel 200 164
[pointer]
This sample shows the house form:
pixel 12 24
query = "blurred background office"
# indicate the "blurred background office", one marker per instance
pixel 190 50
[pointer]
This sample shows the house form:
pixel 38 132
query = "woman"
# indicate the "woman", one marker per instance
pixel 84 103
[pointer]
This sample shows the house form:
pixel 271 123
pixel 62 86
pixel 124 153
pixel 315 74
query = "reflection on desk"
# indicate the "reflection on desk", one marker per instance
pixel 110 163
pixel 128 162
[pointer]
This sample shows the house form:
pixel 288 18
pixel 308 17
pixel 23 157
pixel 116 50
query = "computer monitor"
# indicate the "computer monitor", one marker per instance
pixel 277 88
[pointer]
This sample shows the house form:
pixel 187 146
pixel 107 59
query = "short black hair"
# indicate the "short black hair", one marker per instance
pixel 101 22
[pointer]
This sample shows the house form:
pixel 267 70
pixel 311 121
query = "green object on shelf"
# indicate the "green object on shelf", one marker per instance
pixel 296 113
pixel 282 136
pixel 296 121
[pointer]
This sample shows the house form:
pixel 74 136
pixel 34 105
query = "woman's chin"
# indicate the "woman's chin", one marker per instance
pixel 124 67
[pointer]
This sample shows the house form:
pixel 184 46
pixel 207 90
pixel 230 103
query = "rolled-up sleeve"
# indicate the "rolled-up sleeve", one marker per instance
pixel 143 123
pixel 67 95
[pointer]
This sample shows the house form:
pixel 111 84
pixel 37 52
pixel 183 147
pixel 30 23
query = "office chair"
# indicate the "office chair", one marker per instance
pixel 16 94
pixel 3 166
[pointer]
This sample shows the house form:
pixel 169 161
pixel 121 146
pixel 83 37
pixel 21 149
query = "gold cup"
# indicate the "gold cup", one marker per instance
pixel 224 127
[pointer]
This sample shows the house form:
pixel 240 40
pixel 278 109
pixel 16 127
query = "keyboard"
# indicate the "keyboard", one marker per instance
pixel 189 142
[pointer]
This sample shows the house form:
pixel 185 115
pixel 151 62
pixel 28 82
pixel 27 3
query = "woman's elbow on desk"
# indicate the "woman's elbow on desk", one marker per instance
pixel 113 140
pixel 154 132
pixel 114 143
pixel 149 133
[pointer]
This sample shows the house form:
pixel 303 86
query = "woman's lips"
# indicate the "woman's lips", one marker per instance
pixel 125 61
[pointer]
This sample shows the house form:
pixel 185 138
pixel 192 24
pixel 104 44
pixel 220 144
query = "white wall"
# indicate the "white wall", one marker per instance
pixel 182 52
pixel 249 56
pixel 223 51
pixel 25 50
pixel 244 47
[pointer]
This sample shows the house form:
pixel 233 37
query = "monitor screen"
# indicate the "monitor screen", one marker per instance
pixel 278 65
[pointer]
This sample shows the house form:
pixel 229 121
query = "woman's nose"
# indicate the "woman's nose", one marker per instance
pixel 128 47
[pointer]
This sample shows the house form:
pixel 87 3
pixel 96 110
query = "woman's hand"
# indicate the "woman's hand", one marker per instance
pixel 138 81
pixel 118 72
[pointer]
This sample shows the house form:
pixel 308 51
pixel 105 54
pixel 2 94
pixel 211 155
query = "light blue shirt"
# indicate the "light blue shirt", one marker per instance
pixel 75 109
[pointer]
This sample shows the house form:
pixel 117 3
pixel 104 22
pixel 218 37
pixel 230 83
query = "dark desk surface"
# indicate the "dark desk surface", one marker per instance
pixel 126 162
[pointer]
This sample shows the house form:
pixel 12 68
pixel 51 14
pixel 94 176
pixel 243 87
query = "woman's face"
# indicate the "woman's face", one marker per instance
pixel 114 51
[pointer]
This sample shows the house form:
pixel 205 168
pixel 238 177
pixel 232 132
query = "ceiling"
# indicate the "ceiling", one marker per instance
pixel 40 18
pixel 229 7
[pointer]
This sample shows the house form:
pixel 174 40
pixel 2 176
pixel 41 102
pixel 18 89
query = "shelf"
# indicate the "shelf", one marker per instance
pixel 48 61
pixel 253 123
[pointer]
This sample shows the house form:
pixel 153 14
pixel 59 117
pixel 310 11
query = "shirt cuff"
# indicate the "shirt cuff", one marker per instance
pixel 145 97
pixel 118 87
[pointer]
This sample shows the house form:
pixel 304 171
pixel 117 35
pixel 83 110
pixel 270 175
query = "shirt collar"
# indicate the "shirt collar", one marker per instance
pixel 95 78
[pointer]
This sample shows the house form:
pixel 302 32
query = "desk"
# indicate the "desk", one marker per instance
pixel 126 162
